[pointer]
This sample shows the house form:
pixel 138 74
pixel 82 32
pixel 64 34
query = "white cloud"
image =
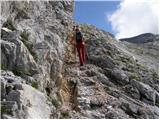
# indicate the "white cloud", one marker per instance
pixel 134 17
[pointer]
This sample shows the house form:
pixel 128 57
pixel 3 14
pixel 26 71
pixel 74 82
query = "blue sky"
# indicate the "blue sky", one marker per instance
pixel 94 12
pixel 127 18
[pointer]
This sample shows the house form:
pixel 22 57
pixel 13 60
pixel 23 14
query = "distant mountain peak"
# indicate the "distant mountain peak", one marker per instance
pixel 142 38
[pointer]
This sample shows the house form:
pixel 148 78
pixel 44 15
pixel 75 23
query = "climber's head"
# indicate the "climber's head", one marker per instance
pixel 74 28
pixel 77 28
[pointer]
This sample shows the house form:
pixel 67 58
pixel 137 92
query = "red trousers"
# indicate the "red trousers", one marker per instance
pixel 81 52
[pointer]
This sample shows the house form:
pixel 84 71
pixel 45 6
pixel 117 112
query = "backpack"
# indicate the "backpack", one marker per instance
pixel 78 37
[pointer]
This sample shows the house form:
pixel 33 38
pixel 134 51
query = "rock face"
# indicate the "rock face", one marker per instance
pixel 21 100
pixel 33 43
pixel 38 80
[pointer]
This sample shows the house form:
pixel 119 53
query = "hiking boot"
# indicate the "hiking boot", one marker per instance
pixel 81 64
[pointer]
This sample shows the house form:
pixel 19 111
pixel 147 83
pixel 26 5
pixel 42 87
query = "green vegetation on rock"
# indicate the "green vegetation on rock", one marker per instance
pixel 134 76
pixel 24 36
pixel 17 71
pixel 4 110
pixel 125 60
pixel 72 83
pixel 55 103
pixel 9 24
pixel 110 53
pixel 64 115
pixel 108 89
pixel 3 67
pixel 34 84
pixel 154 75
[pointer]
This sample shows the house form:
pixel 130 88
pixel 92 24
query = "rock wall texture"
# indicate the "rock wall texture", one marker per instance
pixel 40 80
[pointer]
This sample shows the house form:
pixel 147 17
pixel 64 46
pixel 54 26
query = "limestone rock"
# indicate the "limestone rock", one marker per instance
pixel 21 100
pixel 147 93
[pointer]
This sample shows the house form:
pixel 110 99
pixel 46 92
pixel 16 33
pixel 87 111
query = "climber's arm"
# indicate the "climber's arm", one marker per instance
pixel 83 40
pixel 72 40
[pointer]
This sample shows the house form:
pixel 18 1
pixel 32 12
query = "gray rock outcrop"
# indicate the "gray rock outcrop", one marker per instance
pixel 20 100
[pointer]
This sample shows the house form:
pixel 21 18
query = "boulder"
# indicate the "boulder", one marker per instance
pixel 146 92
pixel 101 61
pixel 119 76
pixel 35 101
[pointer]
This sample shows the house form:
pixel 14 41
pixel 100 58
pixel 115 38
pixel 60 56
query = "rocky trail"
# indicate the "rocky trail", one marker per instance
pixel 87 93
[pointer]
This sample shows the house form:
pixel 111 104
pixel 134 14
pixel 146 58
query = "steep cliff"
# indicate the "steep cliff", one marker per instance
pixel 33 44
pixel 38 80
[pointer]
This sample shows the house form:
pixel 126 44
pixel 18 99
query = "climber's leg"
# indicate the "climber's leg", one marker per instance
pixel 79 49
pixel 83 52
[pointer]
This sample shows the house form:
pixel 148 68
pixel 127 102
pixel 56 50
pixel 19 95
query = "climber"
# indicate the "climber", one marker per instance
pixel 80 45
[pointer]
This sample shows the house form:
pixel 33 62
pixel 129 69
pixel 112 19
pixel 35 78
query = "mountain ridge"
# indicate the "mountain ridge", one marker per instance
pixel 142 38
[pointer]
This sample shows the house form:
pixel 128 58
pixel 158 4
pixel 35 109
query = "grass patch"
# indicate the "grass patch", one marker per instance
pixel 129 67
pixel 134 76
pixel 3 67
pixel 64 115
pixel 4 110
pixel 72 83
pixel 125 60
pixel 55 103
pixel 34 84
pixel 140 66
pixel 108 89
pixel 154 75
pixel 17 71
pixel 9 24
pixel 110 53
pixel 34 55
pixel 25 36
